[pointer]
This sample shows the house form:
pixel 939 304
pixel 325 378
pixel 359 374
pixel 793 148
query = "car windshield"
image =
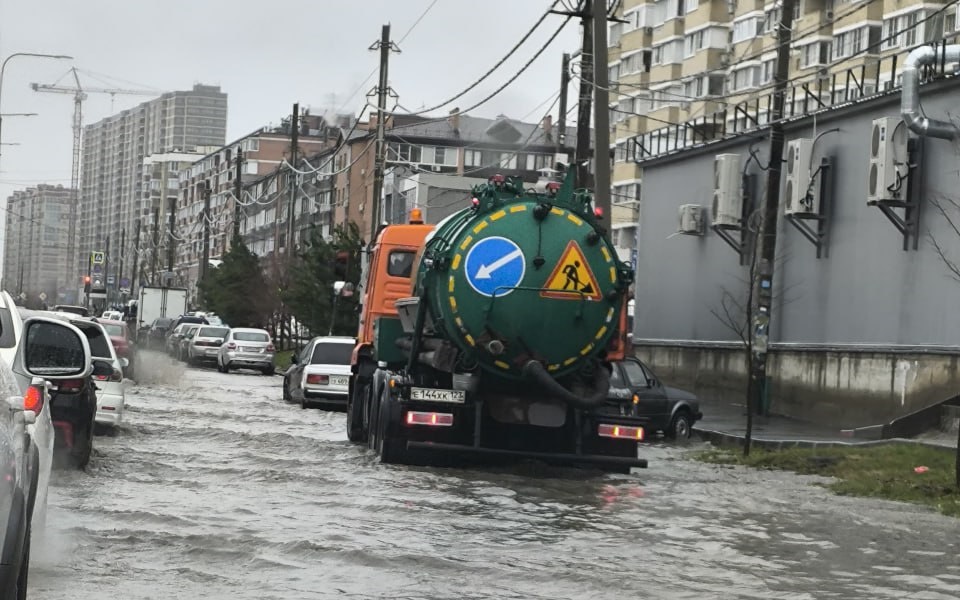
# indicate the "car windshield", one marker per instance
pixel 250 336
pixel 213 332
pixel 114 330
pixel 331 354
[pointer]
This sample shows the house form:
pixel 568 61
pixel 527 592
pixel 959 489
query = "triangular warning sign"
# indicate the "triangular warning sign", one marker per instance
pixel 572 278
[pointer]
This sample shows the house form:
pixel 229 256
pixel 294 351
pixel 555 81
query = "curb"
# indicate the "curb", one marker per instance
pixel 723 438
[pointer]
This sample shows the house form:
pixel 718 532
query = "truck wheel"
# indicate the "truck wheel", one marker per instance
pixel 356 430
pixel 391 451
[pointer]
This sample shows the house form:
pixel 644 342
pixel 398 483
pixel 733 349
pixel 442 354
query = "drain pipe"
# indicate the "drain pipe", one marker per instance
pixel 910 92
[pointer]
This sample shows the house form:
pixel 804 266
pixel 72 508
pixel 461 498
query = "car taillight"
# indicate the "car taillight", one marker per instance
pixel 620 431
pixel 318 379
pixel 231 346
pixel 270 348
pixel 432 419
pixel 70 386
pixel 33 399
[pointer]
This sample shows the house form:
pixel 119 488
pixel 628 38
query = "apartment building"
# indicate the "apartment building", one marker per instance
pixel 115 169
pixel 458 145
pixel 705 69
pixel 36 244
pixel 265 152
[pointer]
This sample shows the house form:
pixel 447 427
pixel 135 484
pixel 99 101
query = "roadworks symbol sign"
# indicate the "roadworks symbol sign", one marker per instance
pixel 572 277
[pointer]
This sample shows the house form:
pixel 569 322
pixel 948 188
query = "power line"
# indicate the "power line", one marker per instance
pixel 496 66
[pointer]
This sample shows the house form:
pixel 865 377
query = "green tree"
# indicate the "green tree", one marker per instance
pixel 237 290
pixel 309 294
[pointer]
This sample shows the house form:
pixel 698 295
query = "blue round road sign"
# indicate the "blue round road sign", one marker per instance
pixel 494 266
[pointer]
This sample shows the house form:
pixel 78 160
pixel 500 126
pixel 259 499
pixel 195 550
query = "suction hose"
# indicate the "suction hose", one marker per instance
pixel 535 372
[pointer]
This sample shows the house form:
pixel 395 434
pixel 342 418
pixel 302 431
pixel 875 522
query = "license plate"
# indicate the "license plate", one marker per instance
pixel 339 380
pixel 253 350
pixel 434 395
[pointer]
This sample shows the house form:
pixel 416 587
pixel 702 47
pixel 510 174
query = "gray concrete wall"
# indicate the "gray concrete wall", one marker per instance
pixel 866 294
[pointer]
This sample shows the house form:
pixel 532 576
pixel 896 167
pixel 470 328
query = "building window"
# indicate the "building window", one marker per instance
pixel 904 30
pixel 620 154
pixel 814 54
pixel 691 5
pixel 856 41
pixel 508 160
pixel 613 73
pixel 746 29
pixel 406 153
pixel 472 158
pixel 616 31
pixel 767 69
pixel 745 78
pixel 949 22
pixel 693 43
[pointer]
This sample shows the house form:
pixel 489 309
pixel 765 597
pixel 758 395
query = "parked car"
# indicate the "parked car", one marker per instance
pixel 123 343
pixel 68 308
pixel 247 348
pixel 185 340
pixel 172 343
pixel 112 315
pixel 320 373
pixel 666 409
pixel 49 350
pixel 189 318
pixel 156 336
pixel 111 399
pixel 205 343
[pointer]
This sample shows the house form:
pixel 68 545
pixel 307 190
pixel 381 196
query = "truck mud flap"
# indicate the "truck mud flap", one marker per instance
pixel 593 459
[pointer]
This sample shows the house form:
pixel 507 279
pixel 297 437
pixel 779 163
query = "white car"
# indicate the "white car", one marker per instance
pixel 111 398
pixel 112 315
pixel 49 350
pixel 320 373
pixel 246 348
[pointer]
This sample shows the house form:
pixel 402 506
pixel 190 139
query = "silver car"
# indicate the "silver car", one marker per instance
pixel 246 348
pixel 205 344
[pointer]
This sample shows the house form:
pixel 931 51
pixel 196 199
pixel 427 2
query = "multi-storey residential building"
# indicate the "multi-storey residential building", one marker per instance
pixel 36 243
pixel 263 152
pixel 685 72
pixel 114 167
pixel 461 145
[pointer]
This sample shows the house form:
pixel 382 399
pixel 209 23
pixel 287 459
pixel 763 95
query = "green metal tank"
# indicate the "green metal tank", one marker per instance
pixel 521 276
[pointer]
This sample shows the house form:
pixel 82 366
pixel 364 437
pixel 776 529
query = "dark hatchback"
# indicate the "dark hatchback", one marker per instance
pixel 665 409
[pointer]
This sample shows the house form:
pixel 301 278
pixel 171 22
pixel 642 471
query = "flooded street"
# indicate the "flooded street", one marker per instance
pixel 215 488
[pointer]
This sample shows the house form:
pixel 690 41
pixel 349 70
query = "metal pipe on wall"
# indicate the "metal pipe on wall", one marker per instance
pixel 910 93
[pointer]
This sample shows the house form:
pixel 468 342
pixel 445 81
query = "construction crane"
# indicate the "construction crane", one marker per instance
pixel 79 95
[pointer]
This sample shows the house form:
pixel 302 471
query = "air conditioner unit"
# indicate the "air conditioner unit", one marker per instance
pixel 828 15
pixel 691 219
pixel 800 180
pixel 888 158
pixel 727 191
pixel 724 59
pixel 648 30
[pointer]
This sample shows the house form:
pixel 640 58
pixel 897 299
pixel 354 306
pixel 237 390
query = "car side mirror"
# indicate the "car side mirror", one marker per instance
pixel 652 382
pixel 52 349
pixel 102 368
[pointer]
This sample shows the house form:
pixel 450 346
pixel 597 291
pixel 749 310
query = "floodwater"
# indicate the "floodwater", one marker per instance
pixel 215 488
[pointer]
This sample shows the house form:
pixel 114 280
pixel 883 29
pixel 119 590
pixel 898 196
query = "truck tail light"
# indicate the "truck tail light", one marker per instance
pixel 432 419
pixel 33 399
pixel 318 379
pixel 620 432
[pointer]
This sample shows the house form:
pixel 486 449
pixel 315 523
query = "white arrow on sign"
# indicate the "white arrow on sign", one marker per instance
pixel 485 270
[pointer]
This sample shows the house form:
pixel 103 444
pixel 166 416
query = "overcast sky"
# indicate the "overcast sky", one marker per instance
pixel 264 55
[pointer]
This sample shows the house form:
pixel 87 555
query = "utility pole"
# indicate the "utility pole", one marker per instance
pixel 205 258
pixel 237 192
pixel 582 156
pixel 380 159
pixel 107 263
pixel 763 281
pixel 292 178
pixel 562 121
pixel 156 246
pixel 601 115
pixel 136 258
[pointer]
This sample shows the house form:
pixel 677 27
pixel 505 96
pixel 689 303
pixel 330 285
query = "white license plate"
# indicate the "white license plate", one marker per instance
pixel 252 350
pixel 437 395
pixel 339 380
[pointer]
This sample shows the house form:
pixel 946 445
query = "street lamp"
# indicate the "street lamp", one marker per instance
pixel 3 68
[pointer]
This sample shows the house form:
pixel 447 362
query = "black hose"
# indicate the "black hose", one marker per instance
pixel 534 371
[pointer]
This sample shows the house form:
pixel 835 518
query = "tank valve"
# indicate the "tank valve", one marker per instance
pixel 592 238
pixel 495 347
pixel 540 211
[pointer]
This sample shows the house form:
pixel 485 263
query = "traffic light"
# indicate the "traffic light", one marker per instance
pixel 86 284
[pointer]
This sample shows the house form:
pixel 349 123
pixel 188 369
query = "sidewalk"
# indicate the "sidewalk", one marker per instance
pixel 726 424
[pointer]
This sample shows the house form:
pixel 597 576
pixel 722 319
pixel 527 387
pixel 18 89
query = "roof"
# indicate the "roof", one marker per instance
pixel 481 130
pixel 248 329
